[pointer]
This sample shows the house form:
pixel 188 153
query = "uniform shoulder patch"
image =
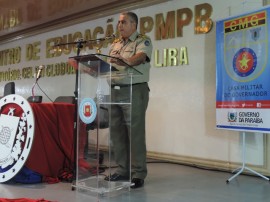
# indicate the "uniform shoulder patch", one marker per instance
pixel 145 38
pixel 147 42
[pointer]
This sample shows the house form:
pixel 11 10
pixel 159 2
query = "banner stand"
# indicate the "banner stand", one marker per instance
pixel 241 169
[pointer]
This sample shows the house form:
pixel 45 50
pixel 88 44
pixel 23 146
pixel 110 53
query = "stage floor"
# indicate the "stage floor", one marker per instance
pixel 166 182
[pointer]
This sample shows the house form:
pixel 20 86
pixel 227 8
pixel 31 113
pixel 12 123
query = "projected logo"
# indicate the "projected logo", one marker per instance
pixel 16 135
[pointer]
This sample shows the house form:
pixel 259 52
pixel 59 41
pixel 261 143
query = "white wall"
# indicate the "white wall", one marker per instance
pixel 181 113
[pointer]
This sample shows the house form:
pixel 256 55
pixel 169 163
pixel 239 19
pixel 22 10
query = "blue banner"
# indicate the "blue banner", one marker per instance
pixel 243 72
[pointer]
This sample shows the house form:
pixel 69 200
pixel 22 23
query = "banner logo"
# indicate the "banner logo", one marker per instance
pixel 244 62
pixel 232 116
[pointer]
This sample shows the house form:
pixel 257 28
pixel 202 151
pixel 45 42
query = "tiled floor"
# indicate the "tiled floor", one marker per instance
pixel 165 183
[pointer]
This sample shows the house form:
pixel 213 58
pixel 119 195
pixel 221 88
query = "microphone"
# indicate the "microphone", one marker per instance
pixel 40 68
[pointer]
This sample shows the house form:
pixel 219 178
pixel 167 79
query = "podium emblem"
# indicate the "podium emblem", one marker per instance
pixel 16 135
pixel 87 110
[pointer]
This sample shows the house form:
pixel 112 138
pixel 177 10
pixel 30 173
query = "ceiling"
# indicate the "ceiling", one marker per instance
pixel 19 18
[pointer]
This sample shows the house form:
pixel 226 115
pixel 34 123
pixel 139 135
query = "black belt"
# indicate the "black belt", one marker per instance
pixel 127 85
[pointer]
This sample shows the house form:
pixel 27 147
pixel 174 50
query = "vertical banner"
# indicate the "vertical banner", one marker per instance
pixel 243 72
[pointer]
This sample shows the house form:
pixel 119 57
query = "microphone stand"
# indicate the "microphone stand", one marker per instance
pixel 79 45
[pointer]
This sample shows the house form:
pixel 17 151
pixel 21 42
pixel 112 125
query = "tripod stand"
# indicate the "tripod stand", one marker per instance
pixel 241 169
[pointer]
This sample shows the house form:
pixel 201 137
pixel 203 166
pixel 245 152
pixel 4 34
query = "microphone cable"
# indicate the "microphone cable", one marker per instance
pixel 43 92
